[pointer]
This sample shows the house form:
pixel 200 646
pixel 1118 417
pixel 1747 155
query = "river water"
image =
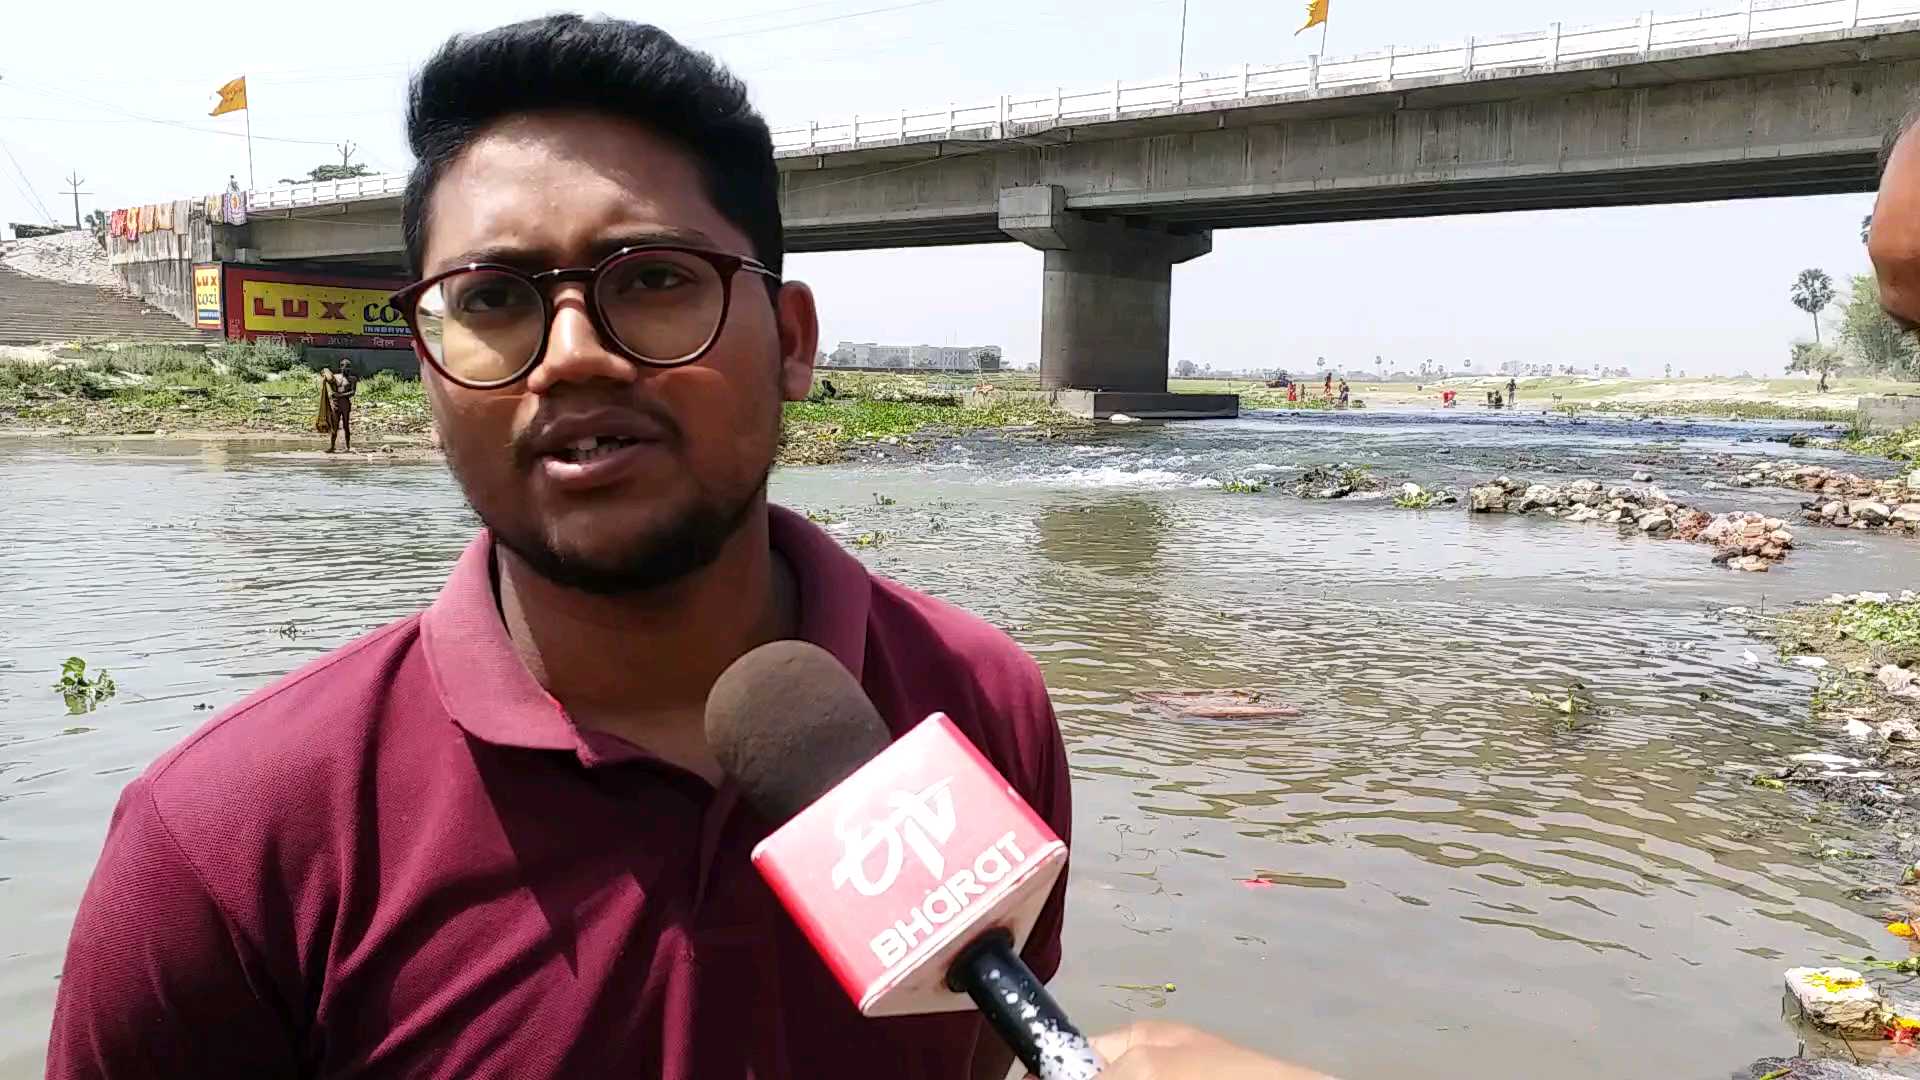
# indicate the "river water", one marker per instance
pixel 1425 873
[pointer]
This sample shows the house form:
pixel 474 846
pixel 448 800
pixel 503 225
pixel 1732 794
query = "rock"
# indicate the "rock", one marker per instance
pixel 1814 662
pixel 1122 418
pixel 1899 729
pixel 1752 564
pixel 1837 999
pixel 1831 510
pixel 1642 477
pixel 1656 524
pixel 1487 498
pixel 1907 513
pixel 1612 517
pixel 1783 537
pixel 1869 512
pixel 1859 730
pixel 1895 679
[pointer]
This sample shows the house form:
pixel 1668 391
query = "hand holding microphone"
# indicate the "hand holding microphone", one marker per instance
pixel 912 866
pixel 1162 1051
pixel 916 871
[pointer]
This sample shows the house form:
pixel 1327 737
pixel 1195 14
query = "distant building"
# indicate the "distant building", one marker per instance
pixel 929 357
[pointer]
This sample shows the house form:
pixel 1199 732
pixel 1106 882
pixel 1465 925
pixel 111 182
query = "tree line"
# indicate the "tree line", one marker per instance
pixel 1866 341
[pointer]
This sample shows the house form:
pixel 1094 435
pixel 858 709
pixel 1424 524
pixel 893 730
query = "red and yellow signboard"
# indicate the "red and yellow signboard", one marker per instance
pixel 315 309
pixel 206 295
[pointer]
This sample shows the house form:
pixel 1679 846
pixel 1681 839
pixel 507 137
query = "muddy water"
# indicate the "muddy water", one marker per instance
pixel 1426 872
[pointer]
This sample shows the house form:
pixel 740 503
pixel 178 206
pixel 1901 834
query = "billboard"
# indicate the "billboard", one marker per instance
pixel 206 295
pixel 315 309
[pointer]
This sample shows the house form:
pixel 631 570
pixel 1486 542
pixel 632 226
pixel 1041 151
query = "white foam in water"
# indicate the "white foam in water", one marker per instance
pixel 1116 476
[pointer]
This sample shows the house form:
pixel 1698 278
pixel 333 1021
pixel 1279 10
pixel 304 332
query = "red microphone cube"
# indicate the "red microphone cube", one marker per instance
pixel 905 863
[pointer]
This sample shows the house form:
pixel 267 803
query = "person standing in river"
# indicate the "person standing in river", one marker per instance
pixel 1513 392
pixel 490 839
pixel 337 389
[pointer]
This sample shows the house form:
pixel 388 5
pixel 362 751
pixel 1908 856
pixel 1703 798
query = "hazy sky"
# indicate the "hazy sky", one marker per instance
pixel 101 87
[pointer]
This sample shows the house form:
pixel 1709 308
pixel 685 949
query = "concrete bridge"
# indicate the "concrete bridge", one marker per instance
pixel 1118 183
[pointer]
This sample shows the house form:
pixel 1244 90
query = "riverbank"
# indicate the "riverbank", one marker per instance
pixel 264 392
pixel 1725 397
pixel 1864 651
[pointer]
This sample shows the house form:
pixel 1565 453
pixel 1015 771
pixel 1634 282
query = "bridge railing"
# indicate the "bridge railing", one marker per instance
pixel 327 192
pixel 1649 36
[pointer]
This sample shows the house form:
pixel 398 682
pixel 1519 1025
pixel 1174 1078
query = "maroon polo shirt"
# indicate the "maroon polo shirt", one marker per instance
pixel 404 860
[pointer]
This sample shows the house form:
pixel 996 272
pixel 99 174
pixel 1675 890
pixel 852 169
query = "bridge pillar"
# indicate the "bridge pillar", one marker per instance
pixel 1106 307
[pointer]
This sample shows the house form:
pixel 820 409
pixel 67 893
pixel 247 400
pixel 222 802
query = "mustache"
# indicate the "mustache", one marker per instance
pixel 524 445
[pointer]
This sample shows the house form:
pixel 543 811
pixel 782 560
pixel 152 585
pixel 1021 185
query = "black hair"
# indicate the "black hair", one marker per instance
pixel 622 69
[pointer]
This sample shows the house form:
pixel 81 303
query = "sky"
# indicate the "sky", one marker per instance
pixel 1701 287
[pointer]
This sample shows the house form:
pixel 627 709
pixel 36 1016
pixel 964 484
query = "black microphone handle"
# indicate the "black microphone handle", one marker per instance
pixel 1017 1005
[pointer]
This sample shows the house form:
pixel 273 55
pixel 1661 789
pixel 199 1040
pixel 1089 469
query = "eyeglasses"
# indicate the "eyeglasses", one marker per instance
pixel 484 326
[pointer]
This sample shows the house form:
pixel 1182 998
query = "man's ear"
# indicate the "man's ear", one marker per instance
pixel 799 338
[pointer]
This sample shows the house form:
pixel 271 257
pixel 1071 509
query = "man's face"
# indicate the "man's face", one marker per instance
pixel 1894 242
pixel 695 442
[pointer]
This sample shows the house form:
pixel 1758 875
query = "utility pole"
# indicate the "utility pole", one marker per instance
pixel 1180 75
pixel 346 152
pixel 74 180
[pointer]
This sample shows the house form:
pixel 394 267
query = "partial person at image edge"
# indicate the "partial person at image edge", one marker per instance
pixel 487 840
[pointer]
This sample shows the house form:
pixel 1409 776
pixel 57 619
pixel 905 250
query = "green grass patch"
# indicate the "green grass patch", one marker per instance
pixel 231 387
pixel 1726 410
pixel 1902 445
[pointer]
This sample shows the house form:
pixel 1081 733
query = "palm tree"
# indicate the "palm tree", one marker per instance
pixel 1812 291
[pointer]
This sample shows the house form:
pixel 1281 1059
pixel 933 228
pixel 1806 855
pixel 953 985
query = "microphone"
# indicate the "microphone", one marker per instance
pixel 913 868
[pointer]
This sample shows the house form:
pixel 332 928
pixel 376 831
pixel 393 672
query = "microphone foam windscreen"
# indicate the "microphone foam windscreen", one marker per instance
pixel 788 722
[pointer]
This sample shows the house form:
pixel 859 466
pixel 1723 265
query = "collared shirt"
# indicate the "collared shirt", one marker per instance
pixel 405 860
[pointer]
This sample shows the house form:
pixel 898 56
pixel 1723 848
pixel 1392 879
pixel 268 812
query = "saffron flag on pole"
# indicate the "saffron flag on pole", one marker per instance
pixel 1316 14
pixel 233 96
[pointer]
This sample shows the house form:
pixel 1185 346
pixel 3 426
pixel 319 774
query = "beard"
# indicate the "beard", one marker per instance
pixel 658 557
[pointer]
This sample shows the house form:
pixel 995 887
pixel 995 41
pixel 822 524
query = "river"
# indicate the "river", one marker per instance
pixel 1426 873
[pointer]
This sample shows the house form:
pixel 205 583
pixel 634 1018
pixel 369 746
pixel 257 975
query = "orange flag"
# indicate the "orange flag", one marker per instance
pixel 233 96
pixel 1316 14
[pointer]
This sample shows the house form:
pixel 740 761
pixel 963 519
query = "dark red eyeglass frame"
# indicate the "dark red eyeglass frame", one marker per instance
pixel 725 264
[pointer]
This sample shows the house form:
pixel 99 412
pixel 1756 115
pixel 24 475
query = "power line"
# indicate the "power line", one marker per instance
pixel 817 22
pixel 32 196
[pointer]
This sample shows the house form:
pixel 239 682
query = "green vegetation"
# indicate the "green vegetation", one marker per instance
pixel 1813 358
pixel 83 692
pixel 898 410
pixel 1902 445
pixel 1873 341
pixel 1242 487
pixel 235 387
pixel 1812 291
pixel 1414 497
pixel 263 387
pixel 1860 635
pixel 1731 410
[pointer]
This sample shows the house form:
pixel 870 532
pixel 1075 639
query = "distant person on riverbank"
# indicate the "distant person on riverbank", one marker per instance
pixel 1893 241
pixel 1328 392
pixel 1293 393
pixel 491 839
pixel 336 403
pixel 1344 391
pixel 1513 392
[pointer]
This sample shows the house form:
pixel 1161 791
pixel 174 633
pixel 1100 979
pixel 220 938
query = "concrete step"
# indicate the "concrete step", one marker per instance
pixel 37 310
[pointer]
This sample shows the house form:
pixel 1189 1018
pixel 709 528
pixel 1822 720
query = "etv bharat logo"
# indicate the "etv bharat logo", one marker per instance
pixel 918 821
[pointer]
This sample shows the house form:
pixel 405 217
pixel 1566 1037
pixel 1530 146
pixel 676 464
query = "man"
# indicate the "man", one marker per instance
pixel 1513 391
pixel 1893 241
pixel 339 387
pixel 490 840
